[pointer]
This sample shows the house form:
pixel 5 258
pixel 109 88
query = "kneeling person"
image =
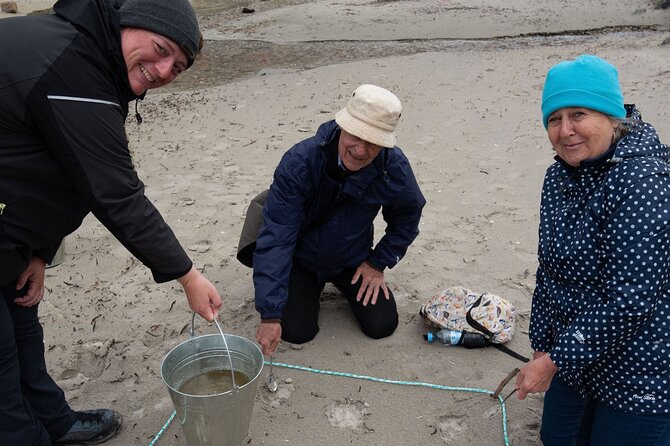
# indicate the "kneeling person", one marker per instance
pixel 318 223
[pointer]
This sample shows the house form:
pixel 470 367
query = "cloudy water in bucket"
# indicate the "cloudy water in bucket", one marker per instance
pixel 213 382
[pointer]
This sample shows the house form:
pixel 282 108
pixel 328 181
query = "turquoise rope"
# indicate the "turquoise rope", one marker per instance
pixel 380 380
pixel 165 426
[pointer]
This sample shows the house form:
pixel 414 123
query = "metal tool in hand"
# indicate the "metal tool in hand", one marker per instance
pixel 271 381
pixel 510 394
pixel 503 383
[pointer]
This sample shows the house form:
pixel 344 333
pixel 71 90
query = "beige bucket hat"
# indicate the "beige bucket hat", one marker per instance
pixel 371 114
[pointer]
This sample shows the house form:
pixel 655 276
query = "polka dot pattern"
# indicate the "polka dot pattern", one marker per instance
pixel 601 306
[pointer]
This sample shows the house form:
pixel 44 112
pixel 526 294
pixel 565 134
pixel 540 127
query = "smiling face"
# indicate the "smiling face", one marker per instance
pixel 578 134
pixel 354 152
pixel 152 59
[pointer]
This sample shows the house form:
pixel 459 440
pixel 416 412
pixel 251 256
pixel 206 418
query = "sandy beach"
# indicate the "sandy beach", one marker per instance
pixel 469 75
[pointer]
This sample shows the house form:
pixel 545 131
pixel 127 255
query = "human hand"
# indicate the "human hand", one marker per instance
pixel 536 376
pixel 33 275
pixel 268 335
pixel 201 294
pixel 372 281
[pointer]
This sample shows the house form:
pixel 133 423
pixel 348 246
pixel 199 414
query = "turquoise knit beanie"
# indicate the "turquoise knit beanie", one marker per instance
pixel 588 82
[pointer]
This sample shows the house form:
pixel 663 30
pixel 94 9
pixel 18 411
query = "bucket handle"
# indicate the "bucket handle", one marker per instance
pixel 225 343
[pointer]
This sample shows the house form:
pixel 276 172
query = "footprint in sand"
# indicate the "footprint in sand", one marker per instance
pixel 451 428
pixel 200 246
pixel 348 415
pixel 278 398
pixel 184 201
pixel 89 361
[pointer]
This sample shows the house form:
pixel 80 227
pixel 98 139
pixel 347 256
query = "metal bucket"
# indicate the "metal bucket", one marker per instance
pixel 220 419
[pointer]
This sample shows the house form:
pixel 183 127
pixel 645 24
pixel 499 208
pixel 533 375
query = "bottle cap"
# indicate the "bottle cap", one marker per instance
pixel 429 337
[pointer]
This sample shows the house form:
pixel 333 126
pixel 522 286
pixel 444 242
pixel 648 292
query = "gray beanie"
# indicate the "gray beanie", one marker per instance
pixel 174 19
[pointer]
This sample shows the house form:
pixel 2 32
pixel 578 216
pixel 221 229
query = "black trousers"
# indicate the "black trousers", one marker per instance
pixel 300 320
pixel 33 410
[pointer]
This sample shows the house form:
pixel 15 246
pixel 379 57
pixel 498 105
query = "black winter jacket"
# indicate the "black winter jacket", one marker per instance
pixel 64 96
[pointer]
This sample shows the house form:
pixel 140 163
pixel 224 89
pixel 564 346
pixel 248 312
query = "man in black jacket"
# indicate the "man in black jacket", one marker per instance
pixel 65 84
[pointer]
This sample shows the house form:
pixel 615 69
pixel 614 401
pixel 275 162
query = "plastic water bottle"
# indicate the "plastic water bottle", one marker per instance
pixel 453 337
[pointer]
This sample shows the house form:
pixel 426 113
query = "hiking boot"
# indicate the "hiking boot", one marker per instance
pixel 92 427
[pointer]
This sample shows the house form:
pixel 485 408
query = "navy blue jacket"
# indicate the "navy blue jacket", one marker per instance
pixel 302 191
pixel 64 96
pixel 601 306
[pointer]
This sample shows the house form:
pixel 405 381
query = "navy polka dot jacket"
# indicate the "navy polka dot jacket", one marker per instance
pixel 601 306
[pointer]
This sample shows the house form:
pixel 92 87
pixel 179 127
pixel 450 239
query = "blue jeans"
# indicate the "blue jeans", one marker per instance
pixel 570 420
pixel 33 410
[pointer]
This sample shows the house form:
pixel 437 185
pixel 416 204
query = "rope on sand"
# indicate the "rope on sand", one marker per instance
pixel 380 380
pixel 165 426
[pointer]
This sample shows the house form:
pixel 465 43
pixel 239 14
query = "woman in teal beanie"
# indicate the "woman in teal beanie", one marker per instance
pixel 601 306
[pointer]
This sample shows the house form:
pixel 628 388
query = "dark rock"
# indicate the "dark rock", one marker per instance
pixel 248 11
pixel 663 4
pixel 666 41
pixel 9 7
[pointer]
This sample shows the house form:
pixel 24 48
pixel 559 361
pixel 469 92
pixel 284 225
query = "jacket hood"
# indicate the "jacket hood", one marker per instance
pixel 641 140
pixel 327 132
pixel 99 19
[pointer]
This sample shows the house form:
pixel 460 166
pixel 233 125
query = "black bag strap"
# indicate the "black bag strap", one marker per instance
pixel 473 323
pixel 326 215
pixel 245 250
pixel 477 326
pixel 510 352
